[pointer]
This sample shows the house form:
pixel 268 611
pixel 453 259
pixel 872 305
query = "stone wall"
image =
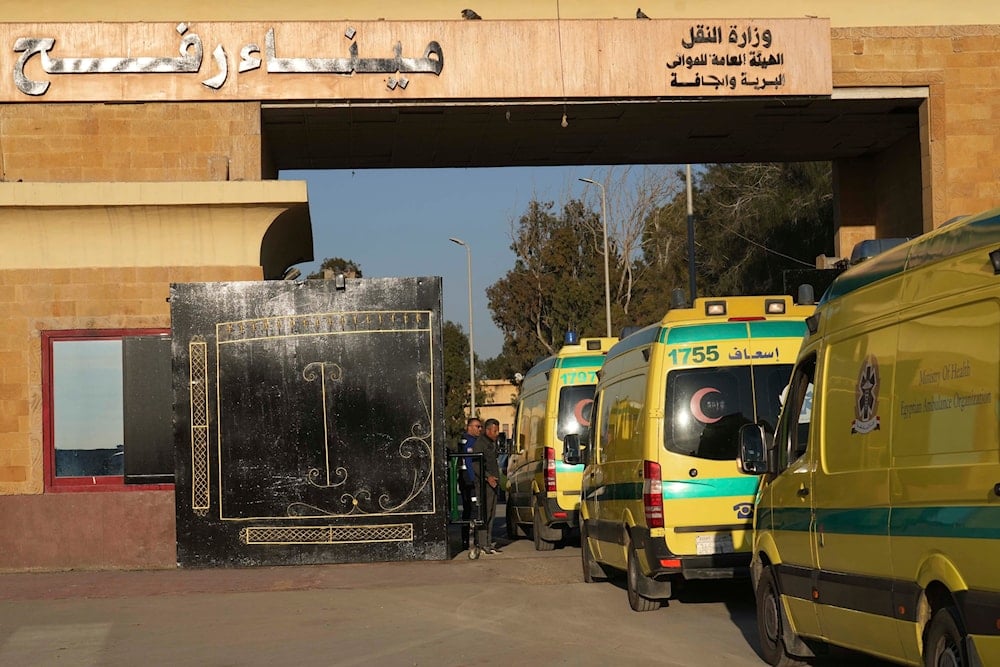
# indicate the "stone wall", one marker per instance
pixel 161 141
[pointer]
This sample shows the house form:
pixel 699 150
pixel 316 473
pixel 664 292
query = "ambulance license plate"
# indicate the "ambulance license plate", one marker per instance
pixel 714 544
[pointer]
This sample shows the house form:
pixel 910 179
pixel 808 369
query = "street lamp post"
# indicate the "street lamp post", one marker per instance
pixel 472 347
pixel 690 232
pixel 604 221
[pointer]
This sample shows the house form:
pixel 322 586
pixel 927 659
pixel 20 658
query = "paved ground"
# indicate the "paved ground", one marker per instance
pixel 520 607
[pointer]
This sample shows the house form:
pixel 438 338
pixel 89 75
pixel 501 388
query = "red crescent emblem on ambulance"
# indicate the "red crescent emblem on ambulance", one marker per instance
pixel 582 411
pixel 696 410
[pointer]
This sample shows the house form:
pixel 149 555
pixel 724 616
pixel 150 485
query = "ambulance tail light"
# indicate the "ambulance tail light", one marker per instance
pixel 652 494
pixel 550 469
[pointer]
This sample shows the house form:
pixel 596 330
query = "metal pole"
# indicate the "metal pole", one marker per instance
pixel 607 281
pixel 690 233
pixel 472 345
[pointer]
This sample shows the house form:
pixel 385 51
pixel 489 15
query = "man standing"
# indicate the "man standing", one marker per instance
pixel 466 475
pixel 487 468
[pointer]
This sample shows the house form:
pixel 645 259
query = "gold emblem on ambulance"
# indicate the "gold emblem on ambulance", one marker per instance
pixel 866 397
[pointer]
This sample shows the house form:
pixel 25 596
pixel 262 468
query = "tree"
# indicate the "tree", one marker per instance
pixel 761 219
pixel 555 283
pixel 336 265
pixel 752 221
pixel 633 196
pixel 455 358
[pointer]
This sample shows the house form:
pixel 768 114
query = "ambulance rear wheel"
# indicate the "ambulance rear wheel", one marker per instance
pixel 771 622
pixel 945 645
pixel 635 600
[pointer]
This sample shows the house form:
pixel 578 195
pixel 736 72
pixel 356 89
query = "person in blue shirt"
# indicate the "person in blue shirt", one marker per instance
pixel 466 474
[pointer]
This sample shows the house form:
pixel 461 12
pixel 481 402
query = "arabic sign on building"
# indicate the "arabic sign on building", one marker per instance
pixel 407 60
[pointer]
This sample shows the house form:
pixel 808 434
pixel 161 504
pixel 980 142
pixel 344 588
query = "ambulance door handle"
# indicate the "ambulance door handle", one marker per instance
pixel 803 492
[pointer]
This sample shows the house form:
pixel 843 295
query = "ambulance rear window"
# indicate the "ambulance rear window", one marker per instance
pixel 705 407
pixel 575 403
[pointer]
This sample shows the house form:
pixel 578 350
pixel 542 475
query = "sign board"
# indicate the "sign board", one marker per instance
pixel 415 60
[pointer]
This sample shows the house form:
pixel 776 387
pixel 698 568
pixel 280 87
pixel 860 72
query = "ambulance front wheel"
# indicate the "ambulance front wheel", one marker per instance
pixel 513 530
pixel 771 623
pixel 591 569
pixel 945 645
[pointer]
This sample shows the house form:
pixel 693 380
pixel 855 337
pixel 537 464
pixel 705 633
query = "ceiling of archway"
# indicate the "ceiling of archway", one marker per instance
pixel 317 136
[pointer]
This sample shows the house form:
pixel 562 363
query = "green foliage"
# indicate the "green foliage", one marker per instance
pixel 752 222
pixel 760 219
pixel 455 357
pixel 337 265
pixel 557 283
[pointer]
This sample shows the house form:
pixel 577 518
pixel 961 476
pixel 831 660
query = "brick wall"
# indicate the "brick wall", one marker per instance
pixel 73 143
pixel 33 301
pixel 961 121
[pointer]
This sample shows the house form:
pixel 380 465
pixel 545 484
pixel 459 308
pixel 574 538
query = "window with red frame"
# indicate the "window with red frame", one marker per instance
pixel 84 409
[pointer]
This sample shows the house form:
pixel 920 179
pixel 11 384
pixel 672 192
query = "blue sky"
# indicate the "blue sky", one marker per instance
pixel 397 223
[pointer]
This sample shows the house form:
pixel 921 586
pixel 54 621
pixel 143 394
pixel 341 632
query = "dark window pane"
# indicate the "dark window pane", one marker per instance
pixel 575 403
pixel 705 407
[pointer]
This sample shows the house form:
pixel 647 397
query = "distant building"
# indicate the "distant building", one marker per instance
pixel 497 399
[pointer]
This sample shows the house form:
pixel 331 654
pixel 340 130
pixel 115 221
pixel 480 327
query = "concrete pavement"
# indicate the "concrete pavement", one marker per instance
pixel 520 607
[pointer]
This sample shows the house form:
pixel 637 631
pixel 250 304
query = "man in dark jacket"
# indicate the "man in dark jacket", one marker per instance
pixel 488 469
pixel 466 475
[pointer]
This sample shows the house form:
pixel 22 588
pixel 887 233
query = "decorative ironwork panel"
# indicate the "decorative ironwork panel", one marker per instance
pixel 395 532
pixel 318 412
pixel 198 385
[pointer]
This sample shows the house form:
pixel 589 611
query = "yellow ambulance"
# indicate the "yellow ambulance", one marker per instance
pixel 543 492
pixel 877 524
pixel 663 499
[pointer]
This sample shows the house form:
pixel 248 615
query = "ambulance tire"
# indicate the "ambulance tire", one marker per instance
pixel 539 529
pixel 771 623
pixel 514 531
pixel 591 569
pixel 636 601
pixel 945 640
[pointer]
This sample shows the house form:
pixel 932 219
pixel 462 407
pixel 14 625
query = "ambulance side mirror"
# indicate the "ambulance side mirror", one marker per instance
pixel 572 449
pixel 753 450
pixel 503 443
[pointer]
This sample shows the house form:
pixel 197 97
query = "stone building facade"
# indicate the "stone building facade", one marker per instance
pixel 112 189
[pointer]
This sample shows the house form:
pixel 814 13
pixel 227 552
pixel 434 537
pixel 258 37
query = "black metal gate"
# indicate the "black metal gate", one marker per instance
pixel 307 421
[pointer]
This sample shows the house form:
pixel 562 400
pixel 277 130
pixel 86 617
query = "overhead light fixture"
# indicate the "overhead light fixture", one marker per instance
pixel 715 308
pixel 774 306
